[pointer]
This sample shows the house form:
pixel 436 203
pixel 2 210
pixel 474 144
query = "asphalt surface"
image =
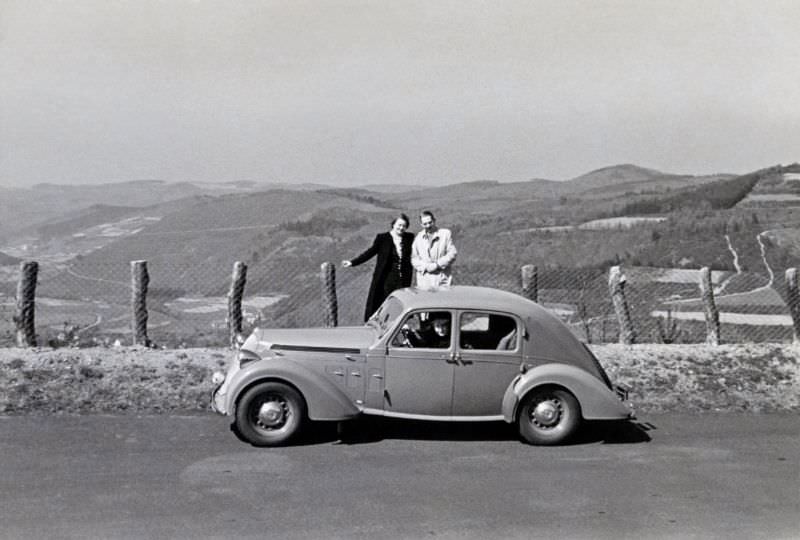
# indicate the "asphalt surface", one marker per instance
pixel 666 476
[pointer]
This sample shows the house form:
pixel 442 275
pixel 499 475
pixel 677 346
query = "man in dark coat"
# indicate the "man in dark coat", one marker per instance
pixel 393 265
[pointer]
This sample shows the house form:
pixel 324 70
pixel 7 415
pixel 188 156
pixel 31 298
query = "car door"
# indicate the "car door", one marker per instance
pixel 350 375
pixel 419 367
pixel 488 354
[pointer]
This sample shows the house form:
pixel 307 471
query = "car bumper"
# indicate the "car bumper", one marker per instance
pixel 218 394
pixel 622 391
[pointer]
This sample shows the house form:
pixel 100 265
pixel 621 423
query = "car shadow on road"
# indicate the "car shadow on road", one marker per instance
pixel 614 432
pixel 372 430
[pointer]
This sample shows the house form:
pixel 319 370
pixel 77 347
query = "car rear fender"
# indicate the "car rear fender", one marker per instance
pixel 596 400
pixel 324 400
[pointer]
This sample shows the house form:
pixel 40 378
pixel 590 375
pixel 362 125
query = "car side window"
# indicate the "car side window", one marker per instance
pixel 488 331
pixel 425 330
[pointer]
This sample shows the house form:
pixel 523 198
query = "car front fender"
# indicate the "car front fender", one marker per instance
pixel 324 400
pixel 596 400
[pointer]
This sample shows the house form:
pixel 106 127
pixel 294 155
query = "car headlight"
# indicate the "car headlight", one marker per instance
pixel 218 377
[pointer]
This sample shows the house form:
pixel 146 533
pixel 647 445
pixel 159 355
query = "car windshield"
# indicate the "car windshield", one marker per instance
pixel 387 314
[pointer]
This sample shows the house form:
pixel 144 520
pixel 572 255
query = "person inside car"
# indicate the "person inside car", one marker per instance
pixel 425 330
pixel 438 335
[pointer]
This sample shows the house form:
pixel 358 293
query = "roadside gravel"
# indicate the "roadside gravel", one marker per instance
pixel 664 378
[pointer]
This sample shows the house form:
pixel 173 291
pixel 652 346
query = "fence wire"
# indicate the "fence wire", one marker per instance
pixel 84 305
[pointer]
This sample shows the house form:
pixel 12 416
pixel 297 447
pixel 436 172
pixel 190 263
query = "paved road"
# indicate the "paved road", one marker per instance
pixel 709 476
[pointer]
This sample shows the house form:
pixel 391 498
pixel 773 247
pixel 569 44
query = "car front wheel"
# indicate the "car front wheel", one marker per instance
pixel 270 414
pixel 548 416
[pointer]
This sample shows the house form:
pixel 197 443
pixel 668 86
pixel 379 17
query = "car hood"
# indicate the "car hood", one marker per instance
pixel 352 339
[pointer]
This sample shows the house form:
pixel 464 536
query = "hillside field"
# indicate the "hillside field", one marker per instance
pixel 660 227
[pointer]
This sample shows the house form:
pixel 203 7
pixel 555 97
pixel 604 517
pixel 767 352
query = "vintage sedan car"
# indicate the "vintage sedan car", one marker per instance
pixel 459 354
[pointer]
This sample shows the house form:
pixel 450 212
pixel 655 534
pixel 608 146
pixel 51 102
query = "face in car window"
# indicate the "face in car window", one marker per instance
pixel 425 330
pixel 487 331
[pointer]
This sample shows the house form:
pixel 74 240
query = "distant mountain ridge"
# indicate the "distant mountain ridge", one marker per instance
pixel 615 174
pixel 24 209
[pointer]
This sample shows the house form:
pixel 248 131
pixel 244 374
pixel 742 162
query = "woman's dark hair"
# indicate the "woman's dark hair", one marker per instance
pixel 403 217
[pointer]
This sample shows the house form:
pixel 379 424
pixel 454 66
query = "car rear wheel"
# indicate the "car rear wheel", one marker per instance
pixel 270 414
pixel 548 416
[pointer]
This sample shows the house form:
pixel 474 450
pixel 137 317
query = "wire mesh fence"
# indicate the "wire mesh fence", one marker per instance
pixel 90 304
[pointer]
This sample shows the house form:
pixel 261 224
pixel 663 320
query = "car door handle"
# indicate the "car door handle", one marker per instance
pixel 454 358
pixel 355 373
pixel 377 376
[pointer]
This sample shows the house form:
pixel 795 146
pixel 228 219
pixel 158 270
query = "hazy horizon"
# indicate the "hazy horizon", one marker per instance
pixel 350 93
pixel 419 185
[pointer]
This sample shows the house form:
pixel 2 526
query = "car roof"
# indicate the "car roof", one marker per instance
pixel 554 340
pixel 468 297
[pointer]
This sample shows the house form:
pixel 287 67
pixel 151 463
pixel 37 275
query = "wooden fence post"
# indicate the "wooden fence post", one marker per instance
pixel 530 282
pixel 330 306
pixel 616 286
pixel 26 304
pixel 140 279
pixel 238 280
pixel 710 307
pixel 793 300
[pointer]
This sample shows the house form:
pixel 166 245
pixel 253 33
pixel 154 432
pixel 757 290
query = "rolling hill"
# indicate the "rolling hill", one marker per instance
pixel 23 209
pixel 82 219
pixel 202 228
pixel 284 235
pixel 615 175
pixel 193 247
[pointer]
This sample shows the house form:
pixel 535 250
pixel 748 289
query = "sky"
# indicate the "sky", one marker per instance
pixel 389 92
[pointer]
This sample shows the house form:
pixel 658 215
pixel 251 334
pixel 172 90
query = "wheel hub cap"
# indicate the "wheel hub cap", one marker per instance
pixel 271 414
pixel 546 413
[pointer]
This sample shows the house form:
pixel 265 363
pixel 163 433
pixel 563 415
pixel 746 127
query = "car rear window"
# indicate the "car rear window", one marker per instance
pixel 487 331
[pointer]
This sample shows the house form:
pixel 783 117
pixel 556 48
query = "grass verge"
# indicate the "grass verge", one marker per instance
pixel 684 378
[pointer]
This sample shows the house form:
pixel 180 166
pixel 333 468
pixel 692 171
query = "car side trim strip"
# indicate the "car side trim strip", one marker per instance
pixel 345 350
pixel 435 418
